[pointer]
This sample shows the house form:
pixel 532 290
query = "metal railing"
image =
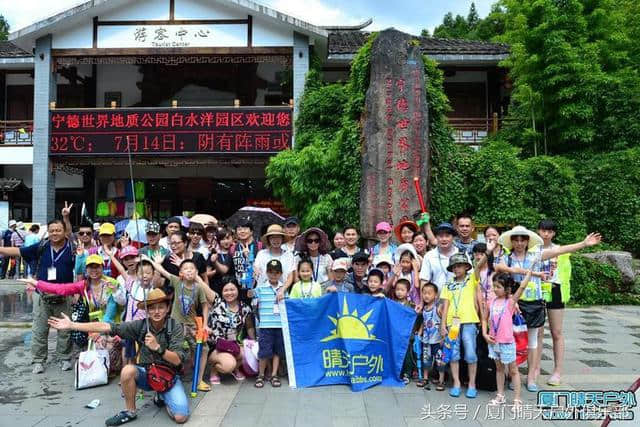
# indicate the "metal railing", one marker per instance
pixel 16 132
pixel 473 130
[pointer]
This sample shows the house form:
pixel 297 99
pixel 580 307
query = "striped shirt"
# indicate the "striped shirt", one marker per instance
pixel 266 295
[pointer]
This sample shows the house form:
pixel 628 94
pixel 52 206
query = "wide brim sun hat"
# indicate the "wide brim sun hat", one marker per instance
pixel 518 230
pixel 301 240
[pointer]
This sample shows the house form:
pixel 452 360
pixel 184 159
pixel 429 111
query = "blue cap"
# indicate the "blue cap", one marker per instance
pixel 445 227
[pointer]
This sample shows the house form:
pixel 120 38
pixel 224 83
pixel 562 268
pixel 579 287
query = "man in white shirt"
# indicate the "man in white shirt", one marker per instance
pixel 173 225
pixel 436 261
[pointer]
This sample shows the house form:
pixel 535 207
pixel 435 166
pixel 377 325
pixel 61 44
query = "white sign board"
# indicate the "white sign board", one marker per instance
pixel 172 36
pixel 4 215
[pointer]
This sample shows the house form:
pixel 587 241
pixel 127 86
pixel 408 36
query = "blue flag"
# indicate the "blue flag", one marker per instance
pixel 345 338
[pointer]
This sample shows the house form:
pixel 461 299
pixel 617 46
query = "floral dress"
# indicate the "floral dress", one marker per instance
pixel 227 324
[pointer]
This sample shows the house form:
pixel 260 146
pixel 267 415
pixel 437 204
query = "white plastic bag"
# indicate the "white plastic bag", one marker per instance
pixel 92 368
pixel 250 357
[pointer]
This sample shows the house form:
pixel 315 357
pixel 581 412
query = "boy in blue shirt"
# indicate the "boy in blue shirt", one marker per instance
pixel 271 343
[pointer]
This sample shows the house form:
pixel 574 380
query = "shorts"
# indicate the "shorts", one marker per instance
pixel 432 355
pixel 175 398
pixel 468 335
pixel 129 348
pixel 270 342
pixel 190 339
pixel 504 352
pixel 556 297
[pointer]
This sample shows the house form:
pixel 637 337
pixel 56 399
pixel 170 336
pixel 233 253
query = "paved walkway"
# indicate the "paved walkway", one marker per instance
pixel 603 353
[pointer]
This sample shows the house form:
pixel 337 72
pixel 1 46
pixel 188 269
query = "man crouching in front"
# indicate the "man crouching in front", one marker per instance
pixel 161 355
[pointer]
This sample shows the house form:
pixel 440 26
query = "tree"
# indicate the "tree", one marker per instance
pixel 472 17
pixel 4 28
pixel 472 27
pixel 572 75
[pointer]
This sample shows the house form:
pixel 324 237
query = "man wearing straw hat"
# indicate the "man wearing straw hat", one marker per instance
pixel 160 339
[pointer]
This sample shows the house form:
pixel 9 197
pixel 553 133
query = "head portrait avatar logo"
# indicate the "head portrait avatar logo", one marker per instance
pixel 350 326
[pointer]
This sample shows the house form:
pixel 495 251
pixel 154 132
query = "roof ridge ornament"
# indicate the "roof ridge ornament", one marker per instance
pixel 356 27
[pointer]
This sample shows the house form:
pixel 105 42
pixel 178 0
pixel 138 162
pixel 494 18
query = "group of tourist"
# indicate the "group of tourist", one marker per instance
pixel 141 304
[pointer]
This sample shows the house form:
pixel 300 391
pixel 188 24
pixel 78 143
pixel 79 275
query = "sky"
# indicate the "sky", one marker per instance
pixel 410 16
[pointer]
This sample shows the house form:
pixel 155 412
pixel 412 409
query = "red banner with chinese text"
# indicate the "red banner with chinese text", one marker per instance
pixel 170 131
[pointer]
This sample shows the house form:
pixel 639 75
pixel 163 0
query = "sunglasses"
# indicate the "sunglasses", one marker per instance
pixel 84 233
pixel 313 240
pixel 198 233
pixel 382 232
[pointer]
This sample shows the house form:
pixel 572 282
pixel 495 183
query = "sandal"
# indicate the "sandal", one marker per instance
pixel 275 381
pixel 259 382
pixel 440 386
pixel 422 383
pixel 214 379
pixel 517 405
pixel 405 379
pixel 554 381
pixel 202 386
pixel 498 400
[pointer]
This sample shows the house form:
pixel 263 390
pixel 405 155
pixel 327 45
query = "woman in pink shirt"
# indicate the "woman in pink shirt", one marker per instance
pixel 497 329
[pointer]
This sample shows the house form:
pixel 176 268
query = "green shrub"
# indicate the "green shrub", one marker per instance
pixel 496 181
pixel 593 283
pixel 609 190
pixel 319 179
pixel 449 161
pixel 551 188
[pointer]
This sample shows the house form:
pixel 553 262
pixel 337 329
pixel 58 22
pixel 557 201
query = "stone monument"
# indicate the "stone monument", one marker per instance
pixel 396 130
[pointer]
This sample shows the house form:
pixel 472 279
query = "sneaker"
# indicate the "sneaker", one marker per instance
pixel 121 418
pixel 66 365
pixel 38 368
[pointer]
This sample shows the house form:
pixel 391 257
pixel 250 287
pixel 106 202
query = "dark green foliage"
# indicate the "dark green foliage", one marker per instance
pixel 595 283
pixel 448 160
pixel 574 68
pixel 4 28
pixel 472 27
pixel 610 197
pixel 496 182
pixel 551 187
pixel 320 179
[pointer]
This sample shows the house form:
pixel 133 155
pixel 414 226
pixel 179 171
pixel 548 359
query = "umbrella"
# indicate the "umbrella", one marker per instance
pixel 137 233
pixel 121 227
pixel 204 219
pixel 261 218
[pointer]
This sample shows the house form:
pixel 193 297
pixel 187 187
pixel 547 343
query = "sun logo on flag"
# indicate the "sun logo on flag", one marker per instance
pixel 350 326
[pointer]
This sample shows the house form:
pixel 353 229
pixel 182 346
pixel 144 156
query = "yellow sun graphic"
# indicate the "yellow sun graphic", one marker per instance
pixel 350 326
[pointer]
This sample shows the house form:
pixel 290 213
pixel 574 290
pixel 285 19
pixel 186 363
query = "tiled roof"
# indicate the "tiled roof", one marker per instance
pixel 10 50
pixel 346 42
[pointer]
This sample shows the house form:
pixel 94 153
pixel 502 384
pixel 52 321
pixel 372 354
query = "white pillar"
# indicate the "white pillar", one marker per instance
pixel 43 200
